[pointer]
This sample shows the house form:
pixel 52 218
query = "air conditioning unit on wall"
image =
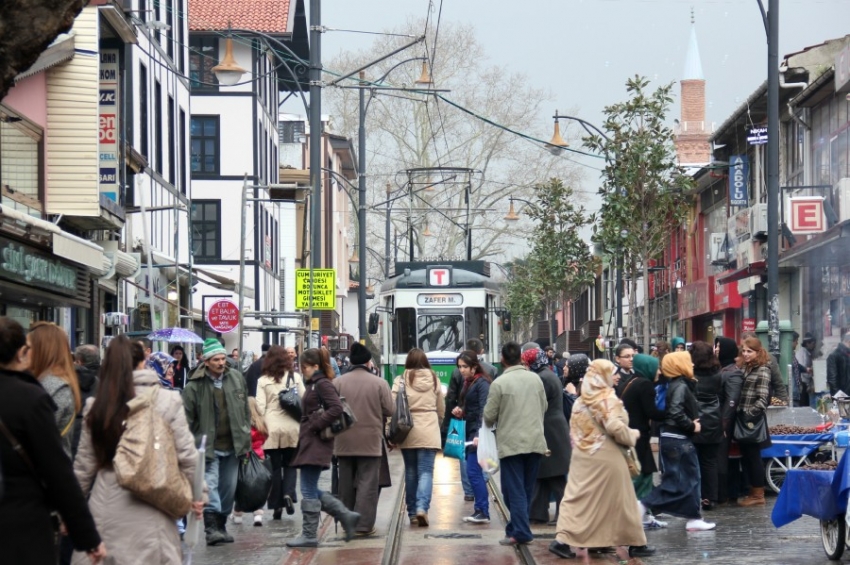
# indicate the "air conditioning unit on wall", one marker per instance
pixel 758 220
pixel 842 192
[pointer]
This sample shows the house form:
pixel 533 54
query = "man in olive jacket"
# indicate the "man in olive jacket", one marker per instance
pixel 516 405
pixel 359 450
pixel 216 403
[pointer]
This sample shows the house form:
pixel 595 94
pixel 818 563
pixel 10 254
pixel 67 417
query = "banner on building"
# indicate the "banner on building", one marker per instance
pixel 805 215
pixel 108 129
pixel 739 176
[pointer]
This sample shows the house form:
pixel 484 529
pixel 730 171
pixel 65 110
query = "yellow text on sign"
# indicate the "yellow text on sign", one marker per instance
pixel 324 289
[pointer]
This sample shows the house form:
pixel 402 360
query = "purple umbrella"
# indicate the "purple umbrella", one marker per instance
pixel 175 335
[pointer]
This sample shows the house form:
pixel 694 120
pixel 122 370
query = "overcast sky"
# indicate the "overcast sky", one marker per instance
pixel 583 50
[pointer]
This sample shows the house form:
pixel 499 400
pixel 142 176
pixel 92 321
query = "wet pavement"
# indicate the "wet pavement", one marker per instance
pixel 744 536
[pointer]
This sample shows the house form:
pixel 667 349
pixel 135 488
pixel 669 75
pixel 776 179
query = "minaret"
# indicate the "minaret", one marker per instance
pixel 692 146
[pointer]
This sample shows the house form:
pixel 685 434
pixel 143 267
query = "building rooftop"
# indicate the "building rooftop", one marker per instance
pixel 693 64
pixel 267 16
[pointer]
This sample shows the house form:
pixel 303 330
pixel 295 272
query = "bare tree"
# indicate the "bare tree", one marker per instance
pixel 27 27
pixel 412 130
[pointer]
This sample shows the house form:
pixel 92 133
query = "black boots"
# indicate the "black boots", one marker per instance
pixel 214 535
pixel 222 527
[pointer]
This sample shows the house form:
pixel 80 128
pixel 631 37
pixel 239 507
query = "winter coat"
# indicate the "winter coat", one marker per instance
pixel 134 531
pixel 63 397
pixel 199 402
pixel 755 396
pixel 427 406
pixel 26 529
pixel 682 407
pixel 252 376
pixel 370 400
pixel 777 387
pixel 473 408
pixel 838 370
pixel 87 377
pixel 257 441
pixel 638 398
pixel 732 379
pixel 709 388
pixel 312 449
pixel 454 389
pixel 516 404
pixel 181 373
pixel 556 429
pixel 283 428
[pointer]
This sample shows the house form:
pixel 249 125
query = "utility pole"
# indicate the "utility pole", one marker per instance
pixel 772 26
pixel 315 149
pixel 361 212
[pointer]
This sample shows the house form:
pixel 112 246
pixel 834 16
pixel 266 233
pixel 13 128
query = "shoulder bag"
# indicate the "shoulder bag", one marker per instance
pixel 146 462
pixel 629 453
pixel 289 400
pixel 749 429
pixel 402 420
pixel 341 424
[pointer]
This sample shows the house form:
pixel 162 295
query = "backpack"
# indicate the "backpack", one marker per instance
pixel 146 462
pixel 661 396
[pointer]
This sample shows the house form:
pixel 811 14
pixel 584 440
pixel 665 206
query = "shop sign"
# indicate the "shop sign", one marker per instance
pixel 725 295
pixel 739 226
pixel 806 215
pixel 694 299
pixel 757 135
pixel 739 175
pixel 748 325
pixel 223 316
pixel 22 264
pixel 842 70
pixel 108 123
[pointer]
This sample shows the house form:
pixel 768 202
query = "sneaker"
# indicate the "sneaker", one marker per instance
pixel 699 525
pixel 654 525
pixel 236 518
pixel 414 521
pixel 258 520
pixel 478 517
pixel 513 541
pixel 422 518
pixel 468 498
pixel 641 551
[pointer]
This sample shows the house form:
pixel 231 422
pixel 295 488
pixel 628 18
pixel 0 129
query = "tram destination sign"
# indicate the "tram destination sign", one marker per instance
pixel 324 289
pixel 25 265
pixel 431 299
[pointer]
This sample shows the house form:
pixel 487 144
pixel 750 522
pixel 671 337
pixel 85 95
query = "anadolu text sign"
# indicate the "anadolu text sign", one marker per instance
pixel 324 289
pixel 223 316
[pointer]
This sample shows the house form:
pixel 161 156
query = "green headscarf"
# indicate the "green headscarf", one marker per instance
pixel 645 366
pixel 675 342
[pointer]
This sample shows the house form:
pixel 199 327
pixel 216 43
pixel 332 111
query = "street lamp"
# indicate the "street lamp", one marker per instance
pixel 227 72
pixel 557 144
pixel 512 216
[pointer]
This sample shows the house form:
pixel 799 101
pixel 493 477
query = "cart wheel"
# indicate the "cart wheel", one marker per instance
pixel 832 533
pixel 774 474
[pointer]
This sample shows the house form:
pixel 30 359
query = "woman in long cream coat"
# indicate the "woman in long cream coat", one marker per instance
pixel 133 531
pixel 282 443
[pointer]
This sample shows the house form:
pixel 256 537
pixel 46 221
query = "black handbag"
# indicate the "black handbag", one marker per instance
pixel 749 429
pixel 402 420
pixel 341 424
pixel 289 400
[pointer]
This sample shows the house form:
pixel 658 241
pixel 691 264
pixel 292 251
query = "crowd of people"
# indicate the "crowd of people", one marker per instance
pixel 571 431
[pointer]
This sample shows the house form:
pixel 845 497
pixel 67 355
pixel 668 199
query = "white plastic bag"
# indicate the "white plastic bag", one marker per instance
pixel 488 454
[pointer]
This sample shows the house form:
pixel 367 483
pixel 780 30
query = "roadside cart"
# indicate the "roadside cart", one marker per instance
pixel 791 451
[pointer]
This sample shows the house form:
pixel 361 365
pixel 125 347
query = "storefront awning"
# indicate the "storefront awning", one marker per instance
pixel 751 270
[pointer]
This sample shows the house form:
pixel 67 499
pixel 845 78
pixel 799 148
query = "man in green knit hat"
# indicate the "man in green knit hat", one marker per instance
pixel 216 403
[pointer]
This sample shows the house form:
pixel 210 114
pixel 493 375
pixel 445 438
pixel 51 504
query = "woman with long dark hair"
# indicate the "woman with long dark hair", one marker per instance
pixel 427 406
pixel 135 531
pixel 707 441
pixel 752 406
pixel 320 407
pixel 37 476
pixel 470 408
pixel 282 443
pixel 52 364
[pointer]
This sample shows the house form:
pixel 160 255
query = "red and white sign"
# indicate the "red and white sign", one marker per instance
pixel 223 316
pixel 806 214
pixel 748 325
pixel 439 276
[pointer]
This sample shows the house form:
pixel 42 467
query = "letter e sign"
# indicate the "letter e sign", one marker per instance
pixel 439 276
pixel 806 215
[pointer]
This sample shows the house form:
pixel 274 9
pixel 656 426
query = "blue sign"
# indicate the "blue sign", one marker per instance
pixel 107 97
pixel 108 175
pixel 739 177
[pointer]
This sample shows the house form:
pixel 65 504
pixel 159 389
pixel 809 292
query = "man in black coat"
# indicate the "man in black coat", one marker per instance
pixel 87 365
pixel 838 367
pixel 255 371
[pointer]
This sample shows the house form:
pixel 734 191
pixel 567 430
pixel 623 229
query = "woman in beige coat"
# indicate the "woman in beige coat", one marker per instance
pixel 134 531
pixel 282 443
pixel 427 406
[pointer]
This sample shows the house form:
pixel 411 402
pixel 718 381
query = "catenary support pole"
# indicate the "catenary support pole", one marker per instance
pixel 315 146
pixel 361 213
pixel 242 231
pixel 773 176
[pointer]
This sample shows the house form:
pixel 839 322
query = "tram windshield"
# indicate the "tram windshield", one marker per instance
pixel 443 330
pixel 440 332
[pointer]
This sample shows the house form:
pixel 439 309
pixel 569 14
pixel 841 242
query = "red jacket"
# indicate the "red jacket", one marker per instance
pixel 257 441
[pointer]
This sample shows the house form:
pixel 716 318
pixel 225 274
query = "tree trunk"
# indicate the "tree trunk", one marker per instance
pixel 27 27
pixel 645 262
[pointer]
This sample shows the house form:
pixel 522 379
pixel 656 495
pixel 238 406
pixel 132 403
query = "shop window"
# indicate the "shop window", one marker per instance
pixel 205 134
pixel 203 56
pixel 20 167
pixel 206 230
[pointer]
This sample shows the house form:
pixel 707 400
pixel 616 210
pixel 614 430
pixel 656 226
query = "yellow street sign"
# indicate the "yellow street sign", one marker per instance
pixel 324 289
pixel 314 324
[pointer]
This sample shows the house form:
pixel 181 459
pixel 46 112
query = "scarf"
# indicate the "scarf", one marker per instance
pixel 577 366
pixel 535 359
pixel 594 407
pixel 467 384
pixel 645 366
pixel 677 364
pixel 159 361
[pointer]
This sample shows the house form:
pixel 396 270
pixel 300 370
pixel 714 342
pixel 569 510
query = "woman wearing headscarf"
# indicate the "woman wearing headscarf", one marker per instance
pixel 577 366
pixel 599 508
pixel 707 441
pixel 552 474
pixel 639 400
pixel 731 378
pixel 679 491
pixel 678 344
pixel 160 363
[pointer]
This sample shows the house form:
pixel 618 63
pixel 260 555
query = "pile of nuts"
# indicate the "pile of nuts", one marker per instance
pixel 825 466
pixel 786 430
pixel 777 402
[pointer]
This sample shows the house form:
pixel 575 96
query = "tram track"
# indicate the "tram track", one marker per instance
pixel 399 521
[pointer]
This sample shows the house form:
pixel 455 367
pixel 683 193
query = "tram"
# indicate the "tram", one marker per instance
pixel 437 307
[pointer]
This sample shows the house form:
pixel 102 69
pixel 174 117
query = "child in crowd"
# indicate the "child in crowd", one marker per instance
pixel 259 434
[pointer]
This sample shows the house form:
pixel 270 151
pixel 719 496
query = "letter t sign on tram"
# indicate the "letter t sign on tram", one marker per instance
pixel 439 276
